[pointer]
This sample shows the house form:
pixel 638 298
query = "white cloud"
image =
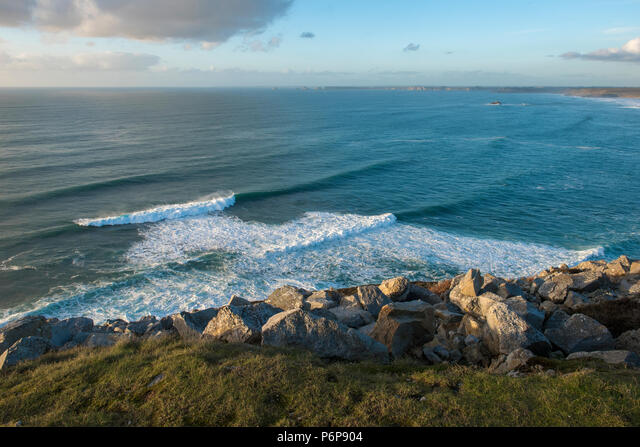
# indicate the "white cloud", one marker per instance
pixel 201 20
pixel 108 61
pixel 629 52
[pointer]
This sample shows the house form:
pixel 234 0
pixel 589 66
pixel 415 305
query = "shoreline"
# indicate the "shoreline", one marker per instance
pixel 591 310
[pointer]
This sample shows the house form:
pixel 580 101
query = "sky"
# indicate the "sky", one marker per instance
pixel 222 43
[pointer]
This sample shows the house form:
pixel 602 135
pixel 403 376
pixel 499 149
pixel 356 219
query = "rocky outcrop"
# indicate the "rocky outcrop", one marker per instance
pixel 471 319
pixel 27 348
pixel 579 333
pixel 327 338
pixel 240 324
pixel 288 297
pixel 401 326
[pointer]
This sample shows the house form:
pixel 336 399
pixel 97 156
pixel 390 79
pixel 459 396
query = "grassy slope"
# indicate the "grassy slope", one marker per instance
pixel 216 384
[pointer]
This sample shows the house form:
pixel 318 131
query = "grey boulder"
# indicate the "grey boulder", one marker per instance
pixel 240 324
pixel 326 337
pixel 27 348
pixel 579 333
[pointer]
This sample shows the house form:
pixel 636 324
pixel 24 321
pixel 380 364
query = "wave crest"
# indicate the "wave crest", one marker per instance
pixel 165 212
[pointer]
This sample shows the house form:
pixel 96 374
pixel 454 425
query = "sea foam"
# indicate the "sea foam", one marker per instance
pixel 165 212
pixel 201 261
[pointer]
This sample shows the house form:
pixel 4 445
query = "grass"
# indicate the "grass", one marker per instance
pixel 211 384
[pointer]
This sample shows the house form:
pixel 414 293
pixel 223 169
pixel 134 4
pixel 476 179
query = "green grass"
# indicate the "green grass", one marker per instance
pixel 239 385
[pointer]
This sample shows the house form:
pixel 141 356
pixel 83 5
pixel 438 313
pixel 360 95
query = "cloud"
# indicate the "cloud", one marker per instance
pixel 622 30
pixel 412 47
pixel 629 52
pixel 200 20
pixel 307 35
pixel 107 61
pixel 257 45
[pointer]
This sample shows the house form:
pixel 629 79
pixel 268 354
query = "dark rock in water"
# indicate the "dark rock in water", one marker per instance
pixel 27 348
pixel 614 357
pixel 401 326
pixel 240 324
pixel 288 297
pixel 371 299
pixel 64 331
pixel 327 338
pixel 36 326
pixel 580 333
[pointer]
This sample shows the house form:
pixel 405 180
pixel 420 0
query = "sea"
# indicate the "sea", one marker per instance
pixel 121 203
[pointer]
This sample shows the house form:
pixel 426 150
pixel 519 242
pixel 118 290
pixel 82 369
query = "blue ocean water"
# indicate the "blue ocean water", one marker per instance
pixel 123 203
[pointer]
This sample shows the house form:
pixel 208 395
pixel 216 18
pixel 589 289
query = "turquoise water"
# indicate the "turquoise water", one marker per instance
pixel 121 203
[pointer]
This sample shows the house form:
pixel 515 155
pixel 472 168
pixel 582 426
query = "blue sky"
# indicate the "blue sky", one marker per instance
pixel 260 43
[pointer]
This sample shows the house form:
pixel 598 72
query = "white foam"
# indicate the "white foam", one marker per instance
pixel 318 250
pixel 165 212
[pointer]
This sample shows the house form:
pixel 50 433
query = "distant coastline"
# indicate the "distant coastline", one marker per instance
pixel 585 92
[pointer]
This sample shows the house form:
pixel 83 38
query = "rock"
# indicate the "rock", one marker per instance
pixel 556 320
pixel 471 283
pixel 555 288
pixel 618 316
pixel 431 357
pixel 64 331
pixel 32 325
pixel 441 351
pixel 548 307
pixel 330 295
pixel 474 305
pixel 190 325
pixel 527 310
pixel 575 300
pixel 471 326
pixel 476 354
pixel 141 326
pixel 354 317
pixel 101 339
pixel 507 331
pixel 629 286
pixel 587 281
pixel 417 292
pixel 450 320
pixel 288 297
pixel 350 301
pixel 401 326
pixel 634 268
pixel 240 324
pixel 316 302
pixel 397 289
pixel 580 333
pixel 515 360
pixel 367 329
pixel 618 357
pixel 619 267
pixel 238 301
pixel 595 266
pixel 471 340
pixel 371 299
pixel 27 348
pixel 629 341
pixel 327 338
